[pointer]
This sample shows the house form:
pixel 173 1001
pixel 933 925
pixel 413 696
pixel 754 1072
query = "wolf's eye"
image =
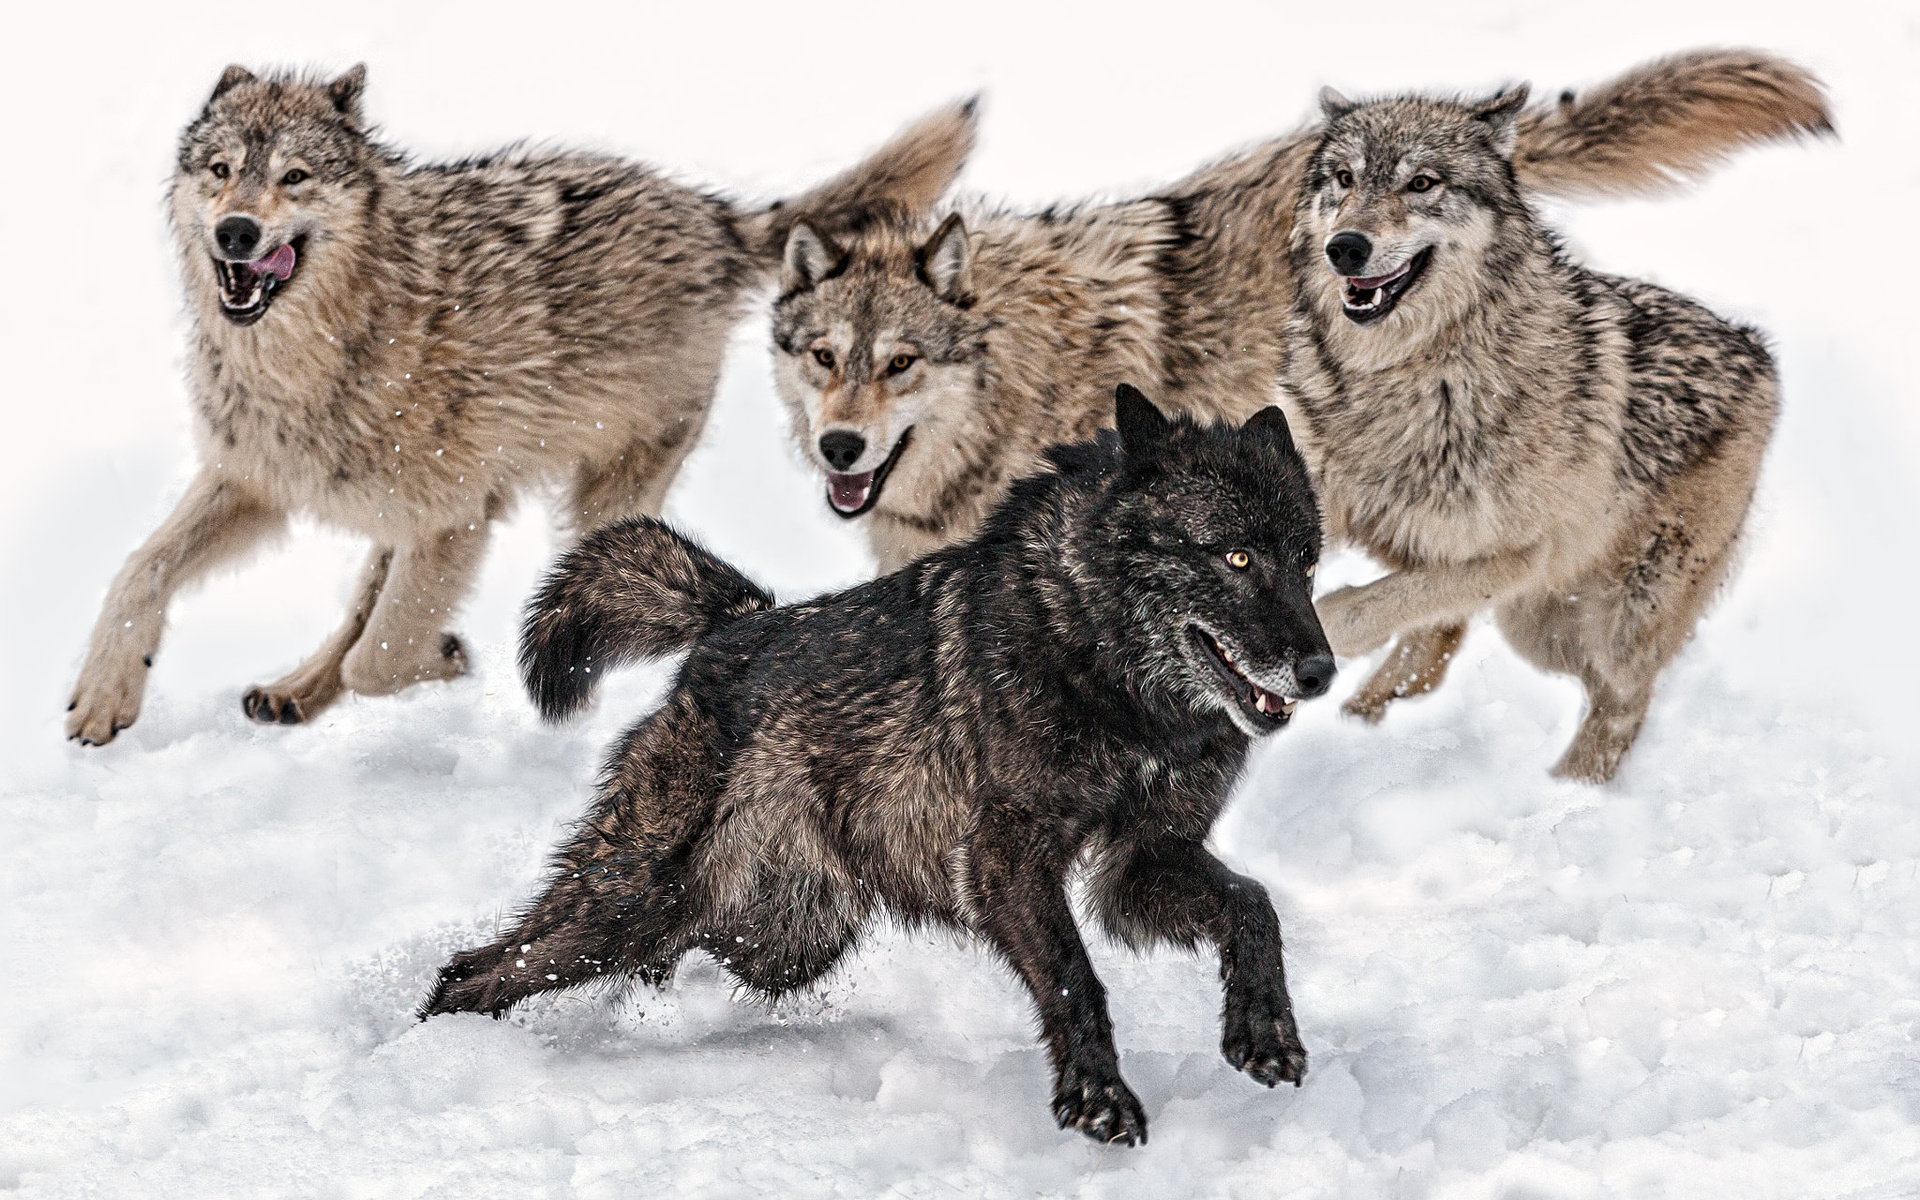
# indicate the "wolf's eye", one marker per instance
pixel 900 363
pixel 294 176
pixel 1343 177
pixel 1420 183
pixel 824 357
pixel 1239 560
pixel 219 170
pixel 1311 568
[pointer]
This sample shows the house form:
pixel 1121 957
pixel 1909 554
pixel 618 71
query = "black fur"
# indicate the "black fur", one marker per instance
pixel 948 743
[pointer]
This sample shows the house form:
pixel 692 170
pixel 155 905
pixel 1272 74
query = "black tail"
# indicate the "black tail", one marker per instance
pixel 632 589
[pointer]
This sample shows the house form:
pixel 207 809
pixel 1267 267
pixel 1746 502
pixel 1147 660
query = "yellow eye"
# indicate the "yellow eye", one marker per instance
pixel 824 357
pixel 900 363
pixel 1343 177
pixel 1311 568
pixel 1420 183
pixel 1239 560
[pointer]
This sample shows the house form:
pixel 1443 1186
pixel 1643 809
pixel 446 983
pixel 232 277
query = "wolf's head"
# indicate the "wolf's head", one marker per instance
pixel 1401 203
pixel 270 171
pixel 1202 550
pixel 875 346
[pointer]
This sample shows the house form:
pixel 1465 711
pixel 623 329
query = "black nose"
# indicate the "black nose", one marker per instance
pixel 1348 252
pixel 841 449
pixel 1314 674
pixel 237 237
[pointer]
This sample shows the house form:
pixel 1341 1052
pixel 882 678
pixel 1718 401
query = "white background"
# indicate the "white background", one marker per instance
pixel 1698 981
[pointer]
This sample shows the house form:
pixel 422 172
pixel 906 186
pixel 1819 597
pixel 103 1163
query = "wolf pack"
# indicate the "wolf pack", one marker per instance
pixel 1096 451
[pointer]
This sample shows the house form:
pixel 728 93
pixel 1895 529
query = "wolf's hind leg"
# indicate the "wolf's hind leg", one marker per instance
pixel 314 684
pixel 403 642
pixel 1015 881
pixel 637 479
pixel 1415 666
pixel 1173 890
pixel 214 522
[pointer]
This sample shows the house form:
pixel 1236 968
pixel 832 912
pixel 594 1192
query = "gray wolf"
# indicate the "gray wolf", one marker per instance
pixel 927 360
pixel 1502 427
pixel 1076 686
pixel 400 350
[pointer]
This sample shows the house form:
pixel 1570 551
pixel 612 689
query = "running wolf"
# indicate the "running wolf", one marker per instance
pixel 399 349
pixel 927 362
pixel 1504 428
pixel 1077 685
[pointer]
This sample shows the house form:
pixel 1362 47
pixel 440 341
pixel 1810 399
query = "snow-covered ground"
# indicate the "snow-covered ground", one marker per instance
pixel 1700 981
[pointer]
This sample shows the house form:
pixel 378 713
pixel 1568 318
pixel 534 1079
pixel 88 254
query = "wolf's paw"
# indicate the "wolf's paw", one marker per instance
pixel 105 702
pixel 271 706
pixel 1100 1106
pixel 1369 708
pixel 1261 1039
pixel 376 667
pixel 1590 760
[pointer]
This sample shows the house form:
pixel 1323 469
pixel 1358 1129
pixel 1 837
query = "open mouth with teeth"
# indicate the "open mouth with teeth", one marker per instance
pixel 851 495
pixel 247 288
pixel 1267 710
pixel 1367 299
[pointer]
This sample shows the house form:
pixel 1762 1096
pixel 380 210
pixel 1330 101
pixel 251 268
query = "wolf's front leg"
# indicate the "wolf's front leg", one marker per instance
pixel 405 642
pixel 316 683
pixel 1173 890
pixel 1016 882
pixel 1359 620
pixel 214 522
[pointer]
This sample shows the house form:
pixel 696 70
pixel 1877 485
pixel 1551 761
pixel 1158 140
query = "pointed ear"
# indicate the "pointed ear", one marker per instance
pixel 1142 427
pixel 1271 423
pixel 809 259
pixel 946 261
pixel 1502 115
pixel 1333 105
pixel 345 92
pixel 230 78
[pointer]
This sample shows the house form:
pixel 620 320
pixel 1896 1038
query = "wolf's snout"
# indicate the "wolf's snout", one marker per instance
pixel 842 449
pixel 1348 252
pixel 237 237
pixel 1314 674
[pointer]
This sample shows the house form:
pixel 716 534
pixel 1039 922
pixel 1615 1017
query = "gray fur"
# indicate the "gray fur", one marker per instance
pixel 449 335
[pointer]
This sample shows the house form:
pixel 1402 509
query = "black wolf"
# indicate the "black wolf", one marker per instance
pixel 400 350
pixel 1077 685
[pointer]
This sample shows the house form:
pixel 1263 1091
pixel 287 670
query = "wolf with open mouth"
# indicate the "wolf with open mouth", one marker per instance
pixel 400 349
pixel 1504 428
pixel 1075 690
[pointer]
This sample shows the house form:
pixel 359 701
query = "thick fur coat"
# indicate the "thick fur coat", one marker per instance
pixel 1075 687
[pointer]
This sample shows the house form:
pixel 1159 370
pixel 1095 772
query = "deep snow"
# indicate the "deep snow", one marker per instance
pixel 1698 981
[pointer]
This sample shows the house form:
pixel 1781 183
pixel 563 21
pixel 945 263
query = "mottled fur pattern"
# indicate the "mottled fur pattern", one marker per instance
pixel 951 350
pixel 1076 687
pixel 401 350
pixel 1504 428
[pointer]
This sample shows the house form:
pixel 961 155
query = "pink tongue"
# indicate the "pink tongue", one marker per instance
pixel 849 492
pixel 1367 285
pixel 280 263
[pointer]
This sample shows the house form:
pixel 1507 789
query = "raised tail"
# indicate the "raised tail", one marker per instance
pixel 632 589
pixel 1667 123
pixel 911 171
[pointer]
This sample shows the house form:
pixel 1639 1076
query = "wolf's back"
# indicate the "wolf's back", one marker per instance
pixel 1667 122
pixel 633 589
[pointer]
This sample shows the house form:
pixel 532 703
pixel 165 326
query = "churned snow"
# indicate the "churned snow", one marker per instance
pixel 1700 981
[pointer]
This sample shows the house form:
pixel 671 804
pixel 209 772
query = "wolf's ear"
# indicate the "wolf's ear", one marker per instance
pixel 1333 105
pixel 1142 427
pixel 808 259
pixel 1271 423
pixel 345 92
pixel 1502 115
pixel 230 78
pixel 946 261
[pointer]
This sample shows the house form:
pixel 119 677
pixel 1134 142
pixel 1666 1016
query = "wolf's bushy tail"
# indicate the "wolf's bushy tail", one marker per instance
pixel 632 589
pixel 911 171
pixel 1666 123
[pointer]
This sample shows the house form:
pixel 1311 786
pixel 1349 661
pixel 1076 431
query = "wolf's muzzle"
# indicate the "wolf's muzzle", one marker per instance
pixel 1348 252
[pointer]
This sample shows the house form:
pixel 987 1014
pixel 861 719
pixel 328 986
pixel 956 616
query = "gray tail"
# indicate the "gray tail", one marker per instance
pixel 1667 123
pixel 911 171
pixel 633 589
